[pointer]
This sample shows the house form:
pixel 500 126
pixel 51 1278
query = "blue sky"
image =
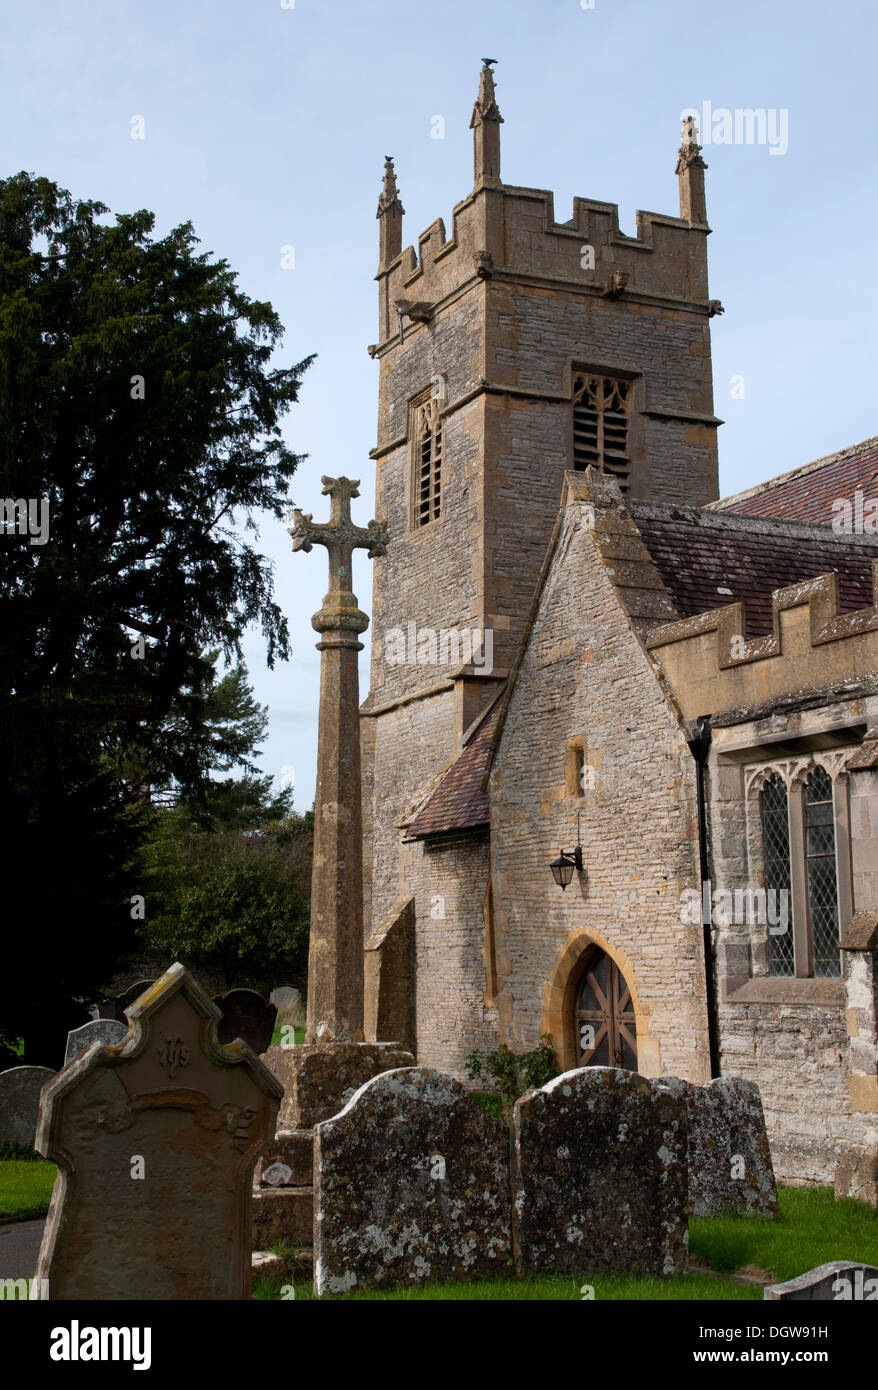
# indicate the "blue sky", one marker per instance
pixel 266 125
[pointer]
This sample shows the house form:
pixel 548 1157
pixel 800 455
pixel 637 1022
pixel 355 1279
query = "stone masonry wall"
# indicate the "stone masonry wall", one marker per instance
pixel 585 675
pixel 402 751
pixel 448 881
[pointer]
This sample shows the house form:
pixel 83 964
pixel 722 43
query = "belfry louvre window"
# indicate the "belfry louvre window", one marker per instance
pixel 601 419
pixel 428 462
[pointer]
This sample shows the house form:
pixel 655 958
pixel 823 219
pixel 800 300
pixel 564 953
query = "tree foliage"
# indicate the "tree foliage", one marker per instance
pixel 230 902
pixel 137 396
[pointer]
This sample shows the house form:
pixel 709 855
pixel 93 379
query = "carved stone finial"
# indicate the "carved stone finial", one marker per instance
pixel 389 196
pixel 486 108
pixel 690 151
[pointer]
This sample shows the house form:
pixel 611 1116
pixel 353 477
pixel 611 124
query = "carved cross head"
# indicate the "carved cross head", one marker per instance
pixel 340 536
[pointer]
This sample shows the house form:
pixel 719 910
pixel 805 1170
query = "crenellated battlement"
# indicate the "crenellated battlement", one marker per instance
pixel 813 645
pixel 510 235
pixel 505 233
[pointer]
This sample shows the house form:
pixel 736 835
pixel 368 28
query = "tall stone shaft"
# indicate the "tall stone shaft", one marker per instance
pixel 335 959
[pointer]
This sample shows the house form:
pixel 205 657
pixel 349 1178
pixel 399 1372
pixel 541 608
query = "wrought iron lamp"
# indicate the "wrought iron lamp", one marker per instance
pixel 568 860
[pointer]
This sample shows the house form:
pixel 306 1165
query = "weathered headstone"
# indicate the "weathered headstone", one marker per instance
pixel 839 1281
pixel 246 1015
pixel 103 1030
pixel 411 1183
pixel 730 1168
pixel 156 1141
pixel 20 1103
pixel 318 1080
pixel 115 1008
pixel 856 1174
pixel 287 1001
pixel 600 1180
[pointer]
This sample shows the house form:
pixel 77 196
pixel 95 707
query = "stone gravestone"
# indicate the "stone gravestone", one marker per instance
pixel 287 1001
pixel 318 1080
pixel 730 1168
pixel 411 1183
pixel 841 1280
pixel 156 1142
pixel 20 1103
pixel 103 1030
pixel 246 1015
pixel 600 1181
pixel 115 1008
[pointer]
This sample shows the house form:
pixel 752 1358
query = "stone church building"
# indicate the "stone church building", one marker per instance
pixel 583 657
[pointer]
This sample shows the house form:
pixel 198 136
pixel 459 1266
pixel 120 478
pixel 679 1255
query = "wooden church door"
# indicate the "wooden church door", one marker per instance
pixel 604 1020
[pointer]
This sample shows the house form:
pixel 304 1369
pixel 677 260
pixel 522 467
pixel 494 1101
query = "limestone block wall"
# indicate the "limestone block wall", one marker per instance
pixel 431 574
pixel 533 338
pixel 584 675
pixel 402 750
pixel 448 880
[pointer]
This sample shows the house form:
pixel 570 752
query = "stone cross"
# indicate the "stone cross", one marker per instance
pixel 335 959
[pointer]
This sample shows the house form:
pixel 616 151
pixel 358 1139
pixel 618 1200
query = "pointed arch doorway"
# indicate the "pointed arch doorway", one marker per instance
pixel 604 1020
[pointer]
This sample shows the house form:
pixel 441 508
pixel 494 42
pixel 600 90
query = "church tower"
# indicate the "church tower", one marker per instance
pixel 515 349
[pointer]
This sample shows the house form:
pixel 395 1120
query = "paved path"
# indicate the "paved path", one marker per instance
pixel 19 1248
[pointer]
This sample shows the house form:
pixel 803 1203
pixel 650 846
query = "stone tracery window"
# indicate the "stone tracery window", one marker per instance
pixel 601 415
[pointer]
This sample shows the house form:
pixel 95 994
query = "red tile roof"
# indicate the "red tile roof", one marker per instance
pixel 807 493
pixel 708 559
pixel 459 803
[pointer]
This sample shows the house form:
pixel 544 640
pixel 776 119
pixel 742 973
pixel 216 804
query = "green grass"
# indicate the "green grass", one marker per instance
pixel 276 1037
pixel 490 1101
pixel 811 1229
pixel 548 1288
pixel 25 1188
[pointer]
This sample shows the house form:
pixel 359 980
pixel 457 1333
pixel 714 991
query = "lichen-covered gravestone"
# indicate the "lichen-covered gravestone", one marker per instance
pixel 102 1030
pixel 411 1183
pixel 20 1103
pixel 730 1168
pixel 156 1139
pixel 600 1176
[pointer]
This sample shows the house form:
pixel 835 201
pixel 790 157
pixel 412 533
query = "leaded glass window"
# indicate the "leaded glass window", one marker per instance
pixel 776 860
pixel 821 875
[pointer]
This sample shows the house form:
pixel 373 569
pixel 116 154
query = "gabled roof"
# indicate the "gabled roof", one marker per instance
pixel 459 803
pixel 807 493
pixel 710 559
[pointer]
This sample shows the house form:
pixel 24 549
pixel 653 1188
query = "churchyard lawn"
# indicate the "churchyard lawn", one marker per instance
pixel 811 1229
pixel 25 1188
